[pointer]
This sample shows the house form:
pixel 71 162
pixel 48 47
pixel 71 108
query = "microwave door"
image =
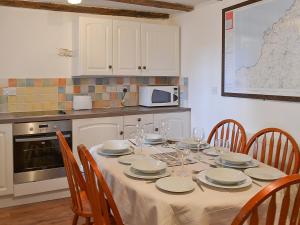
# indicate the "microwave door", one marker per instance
pixel 160 96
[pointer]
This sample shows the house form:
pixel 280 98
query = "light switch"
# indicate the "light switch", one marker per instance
pixel 10 91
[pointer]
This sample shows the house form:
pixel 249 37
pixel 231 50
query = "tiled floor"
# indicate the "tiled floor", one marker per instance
pixel 56 212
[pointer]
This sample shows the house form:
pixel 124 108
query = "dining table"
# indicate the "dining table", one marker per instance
pixel 140 202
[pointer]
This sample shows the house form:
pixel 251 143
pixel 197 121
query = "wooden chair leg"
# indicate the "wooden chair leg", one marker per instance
pixel 88 221
pixel 75 219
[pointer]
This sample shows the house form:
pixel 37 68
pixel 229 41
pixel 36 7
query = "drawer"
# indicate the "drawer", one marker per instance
pixel 132 120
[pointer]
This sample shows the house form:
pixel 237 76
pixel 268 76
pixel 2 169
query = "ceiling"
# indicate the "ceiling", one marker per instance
pixel 116 5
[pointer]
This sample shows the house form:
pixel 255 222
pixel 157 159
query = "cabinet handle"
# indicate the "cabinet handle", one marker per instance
pixel 139 119
pixel 139 67
pixel 110 67
pixel 156 129
pixel 121 132
pixel 144 67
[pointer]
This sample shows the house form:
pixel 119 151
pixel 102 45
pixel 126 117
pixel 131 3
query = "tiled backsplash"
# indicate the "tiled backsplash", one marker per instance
pixel 57 94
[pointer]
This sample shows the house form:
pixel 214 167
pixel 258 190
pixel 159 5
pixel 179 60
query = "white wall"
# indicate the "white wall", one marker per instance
pixel 29 40
pixel 201 61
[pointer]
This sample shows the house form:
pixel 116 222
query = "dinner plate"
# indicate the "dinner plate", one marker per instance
pixel 115 146
pixel 101 152
pixel 153 137
pixel 202 177
pixel 139 175
pixel 175 184
pixel 235 158
pixel 211 152
pixel 154 142
pixel 149 165
pixel 192 147
pixel 129 159
pixel 265 173
pixel 225 176
pixel 251 164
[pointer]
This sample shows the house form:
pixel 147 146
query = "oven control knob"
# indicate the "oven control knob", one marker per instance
pixel 31 129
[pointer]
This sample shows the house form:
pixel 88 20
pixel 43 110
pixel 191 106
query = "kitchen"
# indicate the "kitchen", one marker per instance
pixel 94 78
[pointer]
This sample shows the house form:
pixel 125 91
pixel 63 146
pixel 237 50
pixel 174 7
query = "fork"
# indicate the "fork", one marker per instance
pixel 195 179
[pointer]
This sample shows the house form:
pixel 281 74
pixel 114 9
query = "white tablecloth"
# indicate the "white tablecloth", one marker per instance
pixel 141 203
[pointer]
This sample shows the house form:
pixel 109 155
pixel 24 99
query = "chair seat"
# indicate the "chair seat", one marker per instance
pixel 86 206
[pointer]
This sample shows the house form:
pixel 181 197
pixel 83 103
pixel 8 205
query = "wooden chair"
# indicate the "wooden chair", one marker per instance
pixel 105 211
pixel 231 131
pixel 289 210
pixel 277 148
pixel 80 203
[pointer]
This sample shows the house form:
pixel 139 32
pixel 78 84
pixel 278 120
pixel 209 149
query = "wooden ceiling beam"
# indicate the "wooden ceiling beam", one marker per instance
pixel 82 9
pixel 158 4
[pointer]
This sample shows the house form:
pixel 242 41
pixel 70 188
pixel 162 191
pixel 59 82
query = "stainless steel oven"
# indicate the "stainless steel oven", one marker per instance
pixel 37 154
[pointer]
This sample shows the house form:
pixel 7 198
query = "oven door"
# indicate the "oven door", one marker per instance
pixel 38 157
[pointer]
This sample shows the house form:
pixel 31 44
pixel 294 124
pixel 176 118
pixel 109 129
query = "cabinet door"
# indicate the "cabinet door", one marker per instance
pixel 126 48
pixel 130 123
pixel 179 124
pixel 95 131
pixel 6 160
pixel 160 50
pixel 95 48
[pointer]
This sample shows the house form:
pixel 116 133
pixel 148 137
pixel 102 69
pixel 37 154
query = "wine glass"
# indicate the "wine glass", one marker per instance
pixel 198 136
pixel 182 154
pixel 164 130
pixel 140 136
pixel 222 146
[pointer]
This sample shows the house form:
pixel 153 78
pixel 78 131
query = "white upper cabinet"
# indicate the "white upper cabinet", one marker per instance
pixel 95 47
pixel 6 159
pixel 126 48
pixel 118 47
pixel 160 50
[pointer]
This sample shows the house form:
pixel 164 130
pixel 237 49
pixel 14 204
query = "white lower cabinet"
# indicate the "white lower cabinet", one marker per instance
pixel 95 131
pixel 179 124
pixel 6 159
pixel 131 121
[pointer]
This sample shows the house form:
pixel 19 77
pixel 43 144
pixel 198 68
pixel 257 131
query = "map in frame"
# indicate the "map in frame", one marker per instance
pixel 261 50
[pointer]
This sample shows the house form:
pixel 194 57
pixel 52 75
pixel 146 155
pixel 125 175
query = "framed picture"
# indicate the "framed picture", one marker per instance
pixel 261 50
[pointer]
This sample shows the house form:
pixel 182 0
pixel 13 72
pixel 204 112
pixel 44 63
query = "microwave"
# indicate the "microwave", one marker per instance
pixel 152 96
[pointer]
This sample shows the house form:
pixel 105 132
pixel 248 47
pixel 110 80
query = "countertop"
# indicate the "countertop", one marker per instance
pixel 84 114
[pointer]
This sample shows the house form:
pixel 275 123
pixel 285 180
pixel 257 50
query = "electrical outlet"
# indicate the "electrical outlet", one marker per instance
pixel 11 91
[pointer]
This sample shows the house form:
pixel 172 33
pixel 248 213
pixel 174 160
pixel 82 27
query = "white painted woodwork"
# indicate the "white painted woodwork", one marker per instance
pixel 126 47
pixel 179 124
pixel 95 46
pixel 131 121
pixel 95 131
pixel 40 186
pixel 160 50
pixel 6 159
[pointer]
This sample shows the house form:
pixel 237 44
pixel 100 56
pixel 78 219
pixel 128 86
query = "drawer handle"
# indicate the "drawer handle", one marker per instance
pixel 156 129
pixel 139 119
pixel 110 67
pixel 144 67
pixel 121 133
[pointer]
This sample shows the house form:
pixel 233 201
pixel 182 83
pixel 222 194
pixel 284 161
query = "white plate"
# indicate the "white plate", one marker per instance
pixel 251 164
pixel 153 142
pixel 265 173
pixel 135 174
pixel 115 146
pixel 236 158
pixel 201 176
pixel 211 152
pixel 127 152
pixel 153 137
pixel 149 165
pixel 175 184
pixel 225 176
pixel 129 159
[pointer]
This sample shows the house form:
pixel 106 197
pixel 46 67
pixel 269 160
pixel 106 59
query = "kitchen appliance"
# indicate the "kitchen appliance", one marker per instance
pixel 152 96
pixel 82 102
pixel 36 151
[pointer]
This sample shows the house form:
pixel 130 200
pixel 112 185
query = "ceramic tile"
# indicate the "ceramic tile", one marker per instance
pixel 62 82
pixel 91 89
pixel 12 82
pixel 69 89
pixel 100 89
pixel 61 90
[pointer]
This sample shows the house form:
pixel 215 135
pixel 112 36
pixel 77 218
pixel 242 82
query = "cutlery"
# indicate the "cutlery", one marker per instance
pixel 132 142
pixel 258 184
pixel 195 179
